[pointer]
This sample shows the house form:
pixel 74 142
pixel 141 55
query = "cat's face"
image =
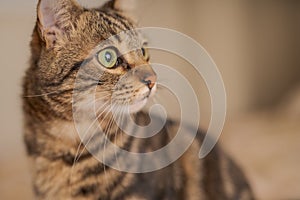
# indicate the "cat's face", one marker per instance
pixel 77 50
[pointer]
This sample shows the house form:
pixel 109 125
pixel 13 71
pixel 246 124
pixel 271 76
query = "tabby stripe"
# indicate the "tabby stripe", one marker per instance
pixel 71 71
pixel 62 92
pixel 60 100
pixel 90 188
pixel 37 110
pixel 88 77
pixel 94 170
pixel 123 188
pixel 235 175
pixel 120 19
pixel 55 101
pixel 69 159
pixel 112 21
pixel 97 170
pixel 84 88
pixel 32 107
pixel 127 144
pixel 45 100
pixel 86 190
pixel 126 192
pixel 37 192
pixel 118 181
pixel 74 68
pixel 213 159
pixel 108 21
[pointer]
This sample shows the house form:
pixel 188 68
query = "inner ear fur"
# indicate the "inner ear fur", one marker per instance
pixel 55 18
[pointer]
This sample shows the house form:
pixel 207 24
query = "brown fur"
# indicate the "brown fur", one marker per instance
pixel 51 139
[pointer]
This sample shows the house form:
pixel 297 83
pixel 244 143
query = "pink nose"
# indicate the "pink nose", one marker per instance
pixel 150 81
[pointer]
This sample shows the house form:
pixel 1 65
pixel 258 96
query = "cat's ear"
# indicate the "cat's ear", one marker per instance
pixel 56 18
pixel 121 5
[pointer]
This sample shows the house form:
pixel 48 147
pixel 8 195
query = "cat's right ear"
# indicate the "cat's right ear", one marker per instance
pixel 56 18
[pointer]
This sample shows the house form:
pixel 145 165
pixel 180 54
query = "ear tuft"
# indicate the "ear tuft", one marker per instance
pixel 55 18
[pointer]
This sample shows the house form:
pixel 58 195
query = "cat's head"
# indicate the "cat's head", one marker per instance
pixel 69 37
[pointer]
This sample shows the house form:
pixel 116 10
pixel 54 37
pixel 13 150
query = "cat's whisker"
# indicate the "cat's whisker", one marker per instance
pixel 103 155
pixel 94 101
pixel 160 87
pixel 52 93
pixel 109 127
pixel 86 132
pixel 119 129
pixel 77 155
pixel 97 118
pixel 123 114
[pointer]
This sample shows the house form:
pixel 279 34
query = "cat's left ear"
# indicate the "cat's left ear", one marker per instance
pixel 121 5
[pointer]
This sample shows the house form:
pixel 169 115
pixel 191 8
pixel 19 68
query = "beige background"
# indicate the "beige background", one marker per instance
pixel 256 46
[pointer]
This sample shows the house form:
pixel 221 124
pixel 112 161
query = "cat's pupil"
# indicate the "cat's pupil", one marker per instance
pixel 143 52
pixel 108 57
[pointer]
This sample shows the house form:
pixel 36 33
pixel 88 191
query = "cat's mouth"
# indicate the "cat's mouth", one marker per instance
pixel 139 103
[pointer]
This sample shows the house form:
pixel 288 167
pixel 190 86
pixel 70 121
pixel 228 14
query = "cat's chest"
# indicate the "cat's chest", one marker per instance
pixel 153 186
pixel 64 131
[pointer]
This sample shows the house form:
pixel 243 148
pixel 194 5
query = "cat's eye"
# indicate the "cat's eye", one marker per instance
pixel 145 53
pixel 108 58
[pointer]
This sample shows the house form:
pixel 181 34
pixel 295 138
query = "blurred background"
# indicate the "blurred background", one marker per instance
pixel 256 46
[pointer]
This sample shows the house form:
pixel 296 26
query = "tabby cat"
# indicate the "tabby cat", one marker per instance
pixel 64 35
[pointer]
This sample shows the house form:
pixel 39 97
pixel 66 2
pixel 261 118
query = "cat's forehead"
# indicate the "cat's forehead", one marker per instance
pixel 116 30
pixel 114 22
pixel 127 40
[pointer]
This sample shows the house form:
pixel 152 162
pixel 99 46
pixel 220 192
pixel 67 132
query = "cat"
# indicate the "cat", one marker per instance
pixel 64 35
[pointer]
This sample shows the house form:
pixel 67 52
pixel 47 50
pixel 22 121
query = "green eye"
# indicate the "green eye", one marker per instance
pixel 145 53
pixel 108 58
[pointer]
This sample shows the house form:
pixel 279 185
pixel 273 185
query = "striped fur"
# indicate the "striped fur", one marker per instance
pixel 59 50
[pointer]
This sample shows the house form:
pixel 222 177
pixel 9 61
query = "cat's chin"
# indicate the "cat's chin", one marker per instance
pixel 138 106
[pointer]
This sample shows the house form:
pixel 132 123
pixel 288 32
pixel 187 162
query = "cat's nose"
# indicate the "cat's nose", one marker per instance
pixel 146 75
pixel 150 81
